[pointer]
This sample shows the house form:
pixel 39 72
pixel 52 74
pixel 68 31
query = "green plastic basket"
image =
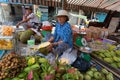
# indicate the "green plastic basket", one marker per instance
pixel 44 32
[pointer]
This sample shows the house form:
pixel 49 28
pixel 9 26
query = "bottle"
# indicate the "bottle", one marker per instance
pixel 31 42
pixel 32 38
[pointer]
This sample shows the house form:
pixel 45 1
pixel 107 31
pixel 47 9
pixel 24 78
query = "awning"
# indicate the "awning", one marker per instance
pixel 102 4
pixel 54 3
pixel 92 5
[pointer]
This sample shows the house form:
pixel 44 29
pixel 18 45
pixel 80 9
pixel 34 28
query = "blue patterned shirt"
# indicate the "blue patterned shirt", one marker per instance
pixel 64 33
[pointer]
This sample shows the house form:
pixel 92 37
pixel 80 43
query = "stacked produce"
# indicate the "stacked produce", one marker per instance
pixel 7 30
pixel 11 65
pixel 39 68
pixel 97 45
pixel 94 74
pixel 5 44
pixel 110 56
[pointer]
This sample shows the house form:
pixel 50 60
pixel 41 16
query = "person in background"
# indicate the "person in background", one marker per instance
pixel 62 38
pixel 28 19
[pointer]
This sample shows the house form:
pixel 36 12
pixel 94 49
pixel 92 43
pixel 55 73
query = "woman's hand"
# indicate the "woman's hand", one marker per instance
pixel 50 47
pixel 17 26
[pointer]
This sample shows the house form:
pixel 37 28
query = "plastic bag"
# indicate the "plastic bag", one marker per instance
pixel 70 54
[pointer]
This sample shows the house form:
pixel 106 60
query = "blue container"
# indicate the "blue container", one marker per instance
pixel 2 53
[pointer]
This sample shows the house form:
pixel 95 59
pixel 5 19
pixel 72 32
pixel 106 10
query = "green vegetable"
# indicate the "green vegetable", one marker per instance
pixel 27 69
pixel 35 66
pixel 36 76
pixel 7 79
pixel 22 75
pixel 15 78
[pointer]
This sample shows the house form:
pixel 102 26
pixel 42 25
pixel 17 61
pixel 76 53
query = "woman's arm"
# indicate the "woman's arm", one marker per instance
pixel 51 39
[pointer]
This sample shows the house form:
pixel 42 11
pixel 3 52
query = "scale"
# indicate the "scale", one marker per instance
pixel 80 40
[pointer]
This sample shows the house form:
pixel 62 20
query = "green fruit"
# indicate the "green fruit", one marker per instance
pixel 26 36
pixel 19 34
pixel 27 69
pixel 104 71
pixel 109 60
pixel 7 79
pixel 43 60
pixel 97 75
pixel 110 76
pixel 117 52
pixel 31 61
pixel 112 53
pixel 107 54
pixel 90 73
pixel 116 59
pixel 101 55
pixel 16 78
pixel 87 77
pixel 81 76
pixel 93 69
pixel 43 47
pixel 35 66
pixel 114 65
pixel 111 47
pixel 118 64
pixel 37 38
pixel 22 75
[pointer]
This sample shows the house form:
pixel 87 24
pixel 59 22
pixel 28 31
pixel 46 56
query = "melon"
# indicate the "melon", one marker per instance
pixel 26 36
pixel 43 47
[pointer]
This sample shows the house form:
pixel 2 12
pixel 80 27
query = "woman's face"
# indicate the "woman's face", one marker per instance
pixel 28 11
pixel 61 19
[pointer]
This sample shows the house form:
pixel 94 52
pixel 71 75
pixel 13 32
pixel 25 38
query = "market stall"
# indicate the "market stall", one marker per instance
pixel 24 54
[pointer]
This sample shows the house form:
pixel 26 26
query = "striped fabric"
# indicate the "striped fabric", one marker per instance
pixel 76 4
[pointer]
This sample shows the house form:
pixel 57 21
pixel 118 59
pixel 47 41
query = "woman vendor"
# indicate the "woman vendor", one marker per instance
pixel 62 37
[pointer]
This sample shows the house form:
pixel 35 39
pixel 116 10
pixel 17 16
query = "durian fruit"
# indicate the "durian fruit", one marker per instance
pixel 26 35
pixel 19 34
pixel 37 38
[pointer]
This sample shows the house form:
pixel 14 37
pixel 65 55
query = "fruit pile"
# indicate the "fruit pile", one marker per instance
pixel 97 45
pixel 7 30
pixel 5 44
pixel 94 74
pixel 110 56
pixel 40 69
pixel 11 65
